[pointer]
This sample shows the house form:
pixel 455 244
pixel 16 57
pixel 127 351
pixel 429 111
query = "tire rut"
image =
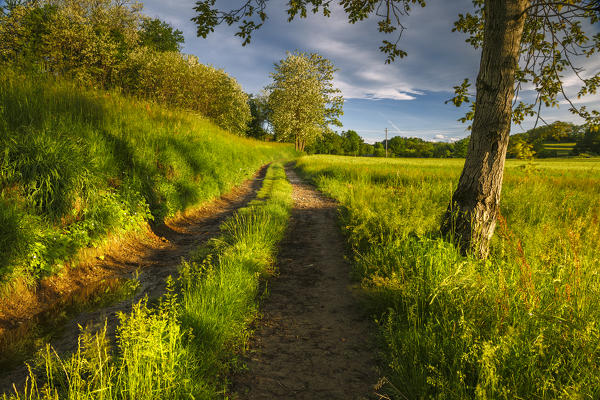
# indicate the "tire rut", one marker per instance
pixel 313 341
pixel 153 261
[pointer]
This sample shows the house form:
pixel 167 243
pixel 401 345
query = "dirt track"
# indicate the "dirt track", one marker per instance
pixel 155 258
pixel 312 342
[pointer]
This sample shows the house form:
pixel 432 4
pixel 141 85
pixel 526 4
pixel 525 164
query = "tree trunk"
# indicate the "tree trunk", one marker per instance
pixel 471 215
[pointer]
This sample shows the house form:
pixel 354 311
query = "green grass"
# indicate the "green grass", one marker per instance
pixel 523 324
pixel 561 149
pixel 78 164
pixel 183 347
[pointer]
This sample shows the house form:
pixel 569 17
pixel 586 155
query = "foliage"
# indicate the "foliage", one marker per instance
pixel 589 143
pixel 87 39
pixel 521 324
pixel 259 110
pixel 349 143
pixel 554 41
pixel 302 99
pixel 328 143
pixel 182 81
pixel 110 44
pixel 523 150
pixel 352 142
pixel 181 348
pixel 252 14
pixel 160 36
pixel 554 140
pixel 76 165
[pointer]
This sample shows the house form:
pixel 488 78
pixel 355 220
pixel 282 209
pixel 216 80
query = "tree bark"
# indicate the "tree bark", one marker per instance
pixel 471 216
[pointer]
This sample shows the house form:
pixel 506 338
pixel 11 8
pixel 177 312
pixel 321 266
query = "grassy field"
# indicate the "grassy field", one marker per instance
pixel 561 149
pixel 182 347
pixel 78 164
pixel 521 325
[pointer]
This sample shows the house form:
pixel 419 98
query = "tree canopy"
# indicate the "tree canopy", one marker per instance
pixel 302 99
pixel 555 40
pixel 160 35
pixel 112 44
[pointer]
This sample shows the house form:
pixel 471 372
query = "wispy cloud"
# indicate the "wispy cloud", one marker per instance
pixel 410 92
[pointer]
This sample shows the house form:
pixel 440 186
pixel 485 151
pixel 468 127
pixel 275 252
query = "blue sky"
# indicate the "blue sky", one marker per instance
pixel 407 96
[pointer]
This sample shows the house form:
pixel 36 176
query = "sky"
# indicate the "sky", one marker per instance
pixel 407 97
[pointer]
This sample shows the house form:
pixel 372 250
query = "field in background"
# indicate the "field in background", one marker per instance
pixel 77 164
pixel 523 324
pixel 559 149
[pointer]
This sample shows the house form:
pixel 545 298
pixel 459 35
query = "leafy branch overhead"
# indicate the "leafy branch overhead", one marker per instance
pixel 553 46
pixel 252 14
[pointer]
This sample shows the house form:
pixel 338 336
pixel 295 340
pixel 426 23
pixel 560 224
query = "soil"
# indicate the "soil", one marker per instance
pixel 313 342
pixel 152 258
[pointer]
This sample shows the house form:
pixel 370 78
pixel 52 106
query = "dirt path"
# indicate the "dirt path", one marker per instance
pixel 312 342
pixel 155 258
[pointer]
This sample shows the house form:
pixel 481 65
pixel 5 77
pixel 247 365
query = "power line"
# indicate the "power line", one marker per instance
pixel 386 140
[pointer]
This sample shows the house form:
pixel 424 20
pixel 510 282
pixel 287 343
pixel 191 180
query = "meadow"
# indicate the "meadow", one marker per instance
pixel 78 164
pixel 522 324
pixel 559 149
pixel 185 345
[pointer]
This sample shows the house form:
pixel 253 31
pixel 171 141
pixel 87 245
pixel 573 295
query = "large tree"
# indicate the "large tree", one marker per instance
pixel 302 99
pixel 160 35
pixel 524 43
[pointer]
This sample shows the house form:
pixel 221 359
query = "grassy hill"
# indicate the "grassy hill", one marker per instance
pixel 77 164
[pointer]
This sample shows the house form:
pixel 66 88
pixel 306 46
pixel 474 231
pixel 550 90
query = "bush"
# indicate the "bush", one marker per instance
pixel 177 80
pixel 103 44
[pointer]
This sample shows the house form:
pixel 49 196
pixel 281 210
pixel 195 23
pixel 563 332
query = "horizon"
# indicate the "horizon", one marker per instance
pixel 406 96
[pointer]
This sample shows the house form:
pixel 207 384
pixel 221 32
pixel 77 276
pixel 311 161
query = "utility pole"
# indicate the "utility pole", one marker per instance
pixel 385 142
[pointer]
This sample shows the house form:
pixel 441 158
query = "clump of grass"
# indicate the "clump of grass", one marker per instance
pixel 181 348
pixel 522 324
pixel 76 164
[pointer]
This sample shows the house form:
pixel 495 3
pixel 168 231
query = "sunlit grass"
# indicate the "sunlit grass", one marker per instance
pixel 523 324
pixel 182 348
pixel 77 164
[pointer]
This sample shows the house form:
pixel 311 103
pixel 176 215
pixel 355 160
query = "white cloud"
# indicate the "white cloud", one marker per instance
pixel 353 91
pixel 437 60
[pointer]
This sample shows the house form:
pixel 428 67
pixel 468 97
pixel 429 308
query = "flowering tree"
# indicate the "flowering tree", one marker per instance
pixel 302 99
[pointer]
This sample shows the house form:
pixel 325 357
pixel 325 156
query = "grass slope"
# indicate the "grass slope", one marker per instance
pixel 523 324
pixel 77 164
pixel 181 348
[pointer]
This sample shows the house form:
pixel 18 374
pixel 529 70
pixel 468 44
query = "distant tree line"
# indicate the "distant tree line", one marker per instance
pixel 558 139
pixel 544 141
pixel 110 44
pixel 350 143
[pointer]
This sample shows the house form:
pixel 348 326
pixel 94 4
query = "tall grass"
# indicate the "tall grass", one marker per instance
pixel 181 348
pixel 522 324
pixel 76 164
